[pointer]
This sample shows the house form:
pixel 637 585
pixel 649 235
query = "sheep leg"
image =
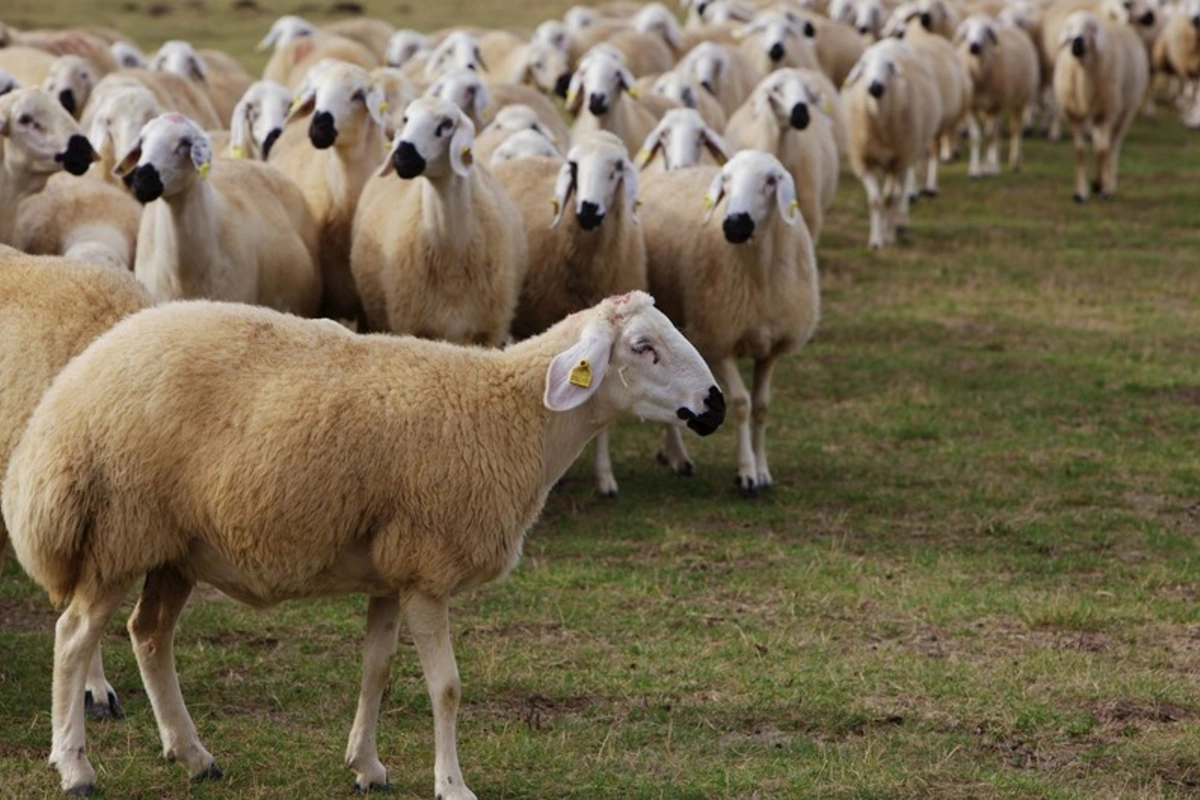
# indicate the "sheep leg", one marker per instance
pixel 152 633
pixel 606 482
pixel 1081 181
pixel 992 133
pixel 76 637
pixel 675 455
pixel 931 173
pixel 99 697
pixel 900 198
pixel 1102 144
pixel 361 755
pixel 870 181
pixel 1014 141
pixel 973 168
pixel 760 403
pixel 429 623
pixel 738 398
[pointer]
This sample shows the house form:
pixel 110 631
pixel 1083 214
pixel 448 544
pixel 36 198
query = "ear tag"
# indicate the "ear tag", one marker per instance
pixel 792 206
pixel 237 152
pixel 721 161
pixel 203 170
pixel 571 97
pixel 635 92
pixel 554 203
pixel 467 158
pixel 637 204
pixel 827 107
pixel 383 106
pixel 708 202
pixel 581 374
pixel 642 157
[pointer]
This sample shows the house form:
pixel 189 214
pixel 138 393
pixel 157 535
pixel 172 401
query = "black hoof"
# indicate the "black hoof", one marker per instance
pixel 374 787
pixel 913 198
pixel 929 193
pixel 747 488
pixel 96 711
pixel 688 470
pixel 1079 198
pixel 609 495
pixel 1096 187
pixel 213 773
pixel 87 790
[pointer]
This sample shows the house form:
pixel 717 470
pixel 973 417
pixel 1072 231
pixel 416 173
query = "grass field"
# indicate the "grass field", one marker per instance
pixel 976 578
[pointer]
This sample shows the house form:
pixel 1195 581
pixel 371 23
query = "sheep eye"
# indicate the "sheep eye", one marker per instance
pixel 25 119
pixel 443 126
pixel 539 65
pixel 642 346
pixel 359 97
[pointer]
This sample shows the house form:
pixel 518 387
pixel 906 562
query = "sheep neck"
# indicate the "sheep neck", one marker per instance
pixel 194 216
pixel 18 183
pixel 446 207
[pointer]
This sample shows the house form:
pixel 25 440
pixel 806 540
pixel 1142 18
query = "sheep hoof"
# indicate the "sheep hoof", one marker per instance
pixel 380 788
pixel 606 494
pixel 211 773
pixel 929 192
pixel 686 470
pixel 1080 198
pixel 746 487
pixel 111 710
pixel 1096 187
pixel 86 790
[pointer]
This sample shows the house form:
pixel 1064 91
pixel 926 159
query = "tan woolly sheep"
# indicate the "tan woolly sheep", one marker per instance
pixel 508 121
pixel 686 92
pixel 603 82
pixel 215 73
pixel 723 71
pixel 85 220
pixel 243 234
pixel 683 140
pixel 258 120
pixel 452 269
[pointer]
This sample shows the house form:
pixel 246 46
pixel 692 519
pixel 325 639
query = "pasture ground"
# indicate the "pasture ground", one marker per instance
pixel 976 578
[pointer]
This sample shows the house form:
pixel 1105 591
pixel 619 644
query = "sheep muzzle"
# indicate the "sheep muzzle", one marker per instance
pixel 1078 47
pixel 407 161
pixel 321 131
pixel 1147 19
pixel 562 85
pixel 738 228
pixel 67 98
pixel 589 215
pixel 708 420
pixel 800 116
pixel 78 156
pixel 597 104
pixel 146 184
pixel 776 53
pixel 875 89
pixel 976 48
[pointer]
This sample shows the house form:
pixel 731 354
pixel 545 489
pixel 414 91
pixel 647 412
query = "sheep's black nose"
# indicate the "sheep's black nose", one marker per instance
pixel 67 98
pixel 562 84
pixel 598 104
pixel 708 420
pixel 269 142
pixel 809 30
pixel 738 228
pixel 1078 48
pixel 146 184
pixel 1147 19
pixel 864 30
pixel 589 215
pixel 799 116
pixel 321 131
pixel 975 48
pixel 407 161
pixel 78 155
pixel 876 89
pixel 776 52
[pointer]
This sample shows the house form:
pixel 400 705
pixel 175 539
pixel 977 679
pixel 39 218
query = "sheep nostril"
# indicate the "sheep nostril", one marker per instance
pixel 776 52
pixel 875 89
pixel 738 228
pixel 407 161
pixel 800 117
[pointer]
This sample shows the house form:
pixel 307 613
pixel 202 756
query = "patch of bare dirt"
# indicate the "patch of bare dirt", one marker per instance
pixel 26 615
pixel 537 711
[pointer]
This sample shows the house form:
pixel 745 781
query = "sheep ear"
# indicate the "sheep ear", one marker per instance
pixel 625 77
pixel 304 103
pixel 716 190
pixel 98 135
pixel 855 73
pixel 991 34
pixel 480 61
pixel 564 185
pixel 672 33
pixel 240 133
pixel 461 144
pixel 576 373
pixel 482 99
pixel 197 69
pixel 575 93
pixel 202 154
pixel 629 180
pixel 688 96
pixel 376 105
pixel 272 36
pixel 716 146
pixel 129 160
pixel 785 194
pixel 651 146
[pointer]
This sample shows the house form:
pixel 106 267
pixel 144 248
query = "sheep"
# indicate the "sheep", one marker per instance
pixel 50 309
pixel 114 117
pixel 938 17
pixel 686 92
pixel 723 71
pixel 71 79
pixel 37 138
pixel 128 56
pixel 1004 69
pixel 893 107
pixel 84 220
pixel 573 266
pixel 466 89
pixel 258 120
pixel 1178 51
pixel 291 61
pixel 838 48
pixel 453 270
pixel 536 64
pixel 216 74
pixel 390 507
pixel 405 45
pixel 684 141
pixel 784 118
pixel 244 235
pixel 397 92
pixel 371 32
pixel 339 112
pixel 868 18
pixel 1099 82
pixel 172 92
pixel 510 120
pixel 605 83
pixel 522 144
pixel 773 39
pixel 750 291
pixel 459 50
pixel 29 66
pixel 287 29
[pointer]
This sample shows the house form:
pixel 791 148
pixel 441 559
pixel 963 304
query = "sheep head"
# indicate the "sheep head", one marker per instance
pixel 182 59
pixel 457 51
pixel 786 95
pixel 600 78
pixel 344 103
pixel 435 142
pixel 755 186
pixel 285 29
pixel 258 119
pixel 465 89
pixel 404 45
pixel 600 176
pixel 681 136
pixel 117 121
pixel 170 155
pixel 41 136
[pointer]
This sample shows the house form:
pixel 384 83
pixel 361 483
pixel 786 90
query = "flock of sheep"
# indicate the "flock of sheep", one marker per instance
pixel 429 185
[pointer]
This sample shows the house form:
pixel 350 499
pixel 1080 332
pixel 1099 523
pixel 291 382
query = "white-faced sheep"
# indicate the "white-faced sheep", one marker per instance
pixel 405 45
pixel 523 144
pixel 784 118
pixel 1178 53
pixel 686 92
pixel 749 290
pixel 242 234
pixel 599 97
pixel 893 108
pixel 536 64
pixel 397 91
pixel 482 102
pixel 50 310
pixel 458 50
pixel 598 251
pixel 1003 65
pixel 85 220
pixel 129 56
pixel 114 118
pixel 37 138
pixel 217 74
pixel 339 112
pixel 287 500
pixel 453 269
pixel 775 39
pixel 72 80
pixel 1100 76
pixel 723 71
pixel 258 120
pixel 683 140
pixel 508 121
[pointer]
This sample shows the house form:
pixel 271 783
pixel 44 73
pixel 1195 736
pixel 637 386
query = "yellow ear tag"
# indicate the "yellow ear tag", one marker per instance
pixel 571 97
pixel 581 374
pixel 467 158
pixel 237 152
pixel 708 202
pixel 827 106
pixel 383 106
pixel 721 161
pixel 203 170
pixel 642 157
pixel 635 92
pixel 554 203
pixel 295 105
pixel 637 204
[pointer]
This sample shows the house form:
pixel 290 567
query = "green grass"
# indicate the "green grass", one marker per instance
pixel 977 577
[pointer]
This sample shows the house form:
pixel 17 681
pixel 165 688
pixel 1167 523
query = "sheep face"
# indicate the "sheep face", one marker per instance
pixel 258 119
pixel 170 155
pixel 403 45
pixel 630 358
pixel 600 79
pixel 119 119
pixel 708 64
pixel 1083 33
pixel 180 58
pixel 285 29
pixel 868 17
pixel 977 35
pixel 579 18
pixel 436 141
pixel 457 51
pixel 755 186
pixel 877 69
pixel 681 136
pixel 776 32
pixel 787 96
pixel 41 136
pixel 465 89
pixel 7 83
pixel 677 87
pixel 128 55
pixel 519 118
pixel 1132 12
pixel 657 19
pixel 599 174
pixel 553 33
pixel 344 102
pixel 543 66
pixel 71 79
pixel 524 144
pixel 724 12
